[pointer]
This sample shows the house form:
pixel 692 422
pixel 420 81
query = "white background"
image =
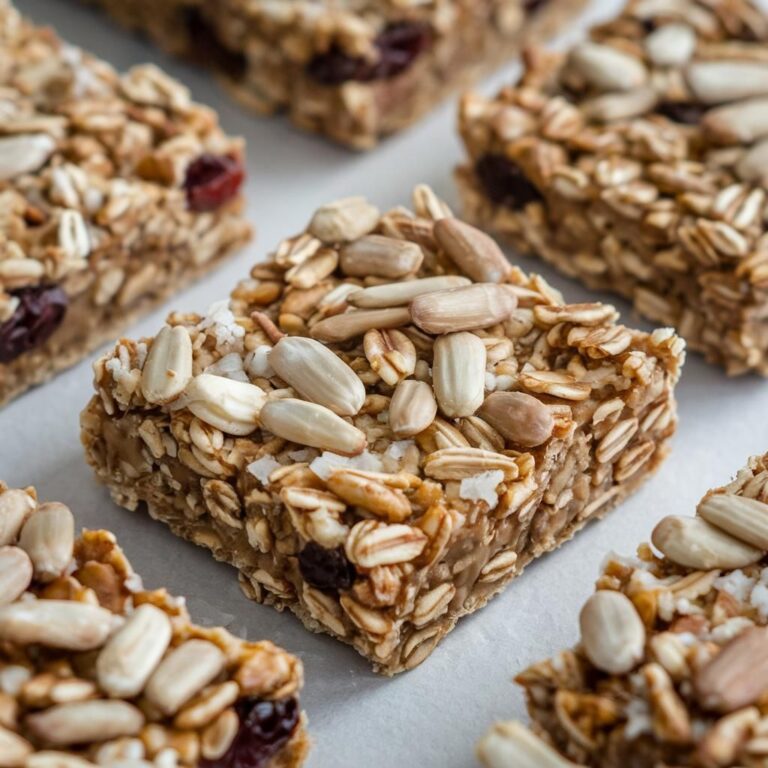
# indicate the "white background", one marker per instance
pixel 432 716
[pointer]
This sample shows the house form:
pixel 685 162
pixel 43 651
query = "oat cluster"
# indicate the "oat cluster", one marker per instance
pixel 637 161
pixel 384 423
pixel 96 670
pixel 672 666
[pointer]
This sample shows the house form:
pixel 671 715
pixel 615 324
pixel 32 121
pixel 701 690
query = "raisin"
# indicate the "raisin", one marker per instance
pixel 504 181
pixel 212 180
pixel 39 313
pixel 265 727
pixel 685 112
pixel 398 45
pixel 532 6
pixel 326 569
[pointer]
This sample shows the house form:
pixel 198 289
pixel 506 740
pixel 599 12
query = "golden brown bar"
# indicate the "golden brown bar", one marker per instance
pixel 637 163
pixel 115 192
pixel 383 457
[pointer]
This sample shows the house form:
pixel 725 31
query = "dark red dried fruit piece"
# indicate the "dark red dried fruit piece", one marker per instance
pixel 326 569
pixel 39 313
pixel 398 46
pixel 504 181
pixel 265 727
pixel 531 6
pixel 684 112
pixel 212 180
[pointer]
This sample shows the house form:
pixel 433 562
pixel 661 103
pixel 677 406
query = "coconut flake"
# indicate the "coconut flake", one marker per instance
pixel 759 599
pixel 327 462
pixel 638 719
pixel 482 487
pixel 735 583
pixel 305 454
pixel 398 448
pixel 262 468
pixel 229 367
pixel 221 322
pixel 257 362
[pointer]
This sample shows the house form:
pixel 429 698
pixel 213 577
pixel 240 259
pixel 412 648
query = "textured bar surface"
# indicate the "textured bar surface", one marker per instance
pixel 672 668
pixel 115 191
pixel 384 524
pixel 354 70
pixel 97 670
pixel 638 163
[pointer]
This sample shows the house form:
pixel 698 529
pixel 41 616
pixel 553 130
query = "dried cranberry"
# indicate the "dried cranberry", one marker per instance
pixel 532 6
pixel 504 181
pixel 39 313
pixel 398 45
pixel 212 180
pixel 326 569
pixel 685 112
pixel 265 727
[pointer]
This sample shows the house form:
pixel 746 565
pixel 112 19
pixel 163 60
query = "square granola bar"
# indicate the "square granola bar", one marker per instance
pixel 672 668
pixel 384 424
pixel 115 191
pixel 97 670
pixel 638 162
pixel 354 70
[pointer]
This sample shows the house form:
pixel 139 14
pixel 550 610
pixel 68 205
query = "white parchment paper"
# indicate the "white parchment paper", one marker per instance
pixel 430 717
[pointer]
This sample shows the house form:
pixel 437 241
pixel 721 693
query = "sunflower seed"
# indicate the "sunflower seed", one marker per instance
pixel 379 256
pixel 313 425
pixel 185 671
pixel 14 750
pixel 412 409
pixel 753 166
pixel 317 374
pixel 51 759
pixel 25 153
pixel 131 654
pixel 671 45
pixel 740 123
pixel 511 745
pixel 719 82
pixel 15 573
pixel 458 373
pixel 463 309
pixel 351 324
pixel 56 623
pixel 15 506
pixel 519 417
pixel 74 239
pixel 612 632
pixel 474 253
pixel 742 517
pixel 229 405
pixel 403 293
pixel 694 543
pixel 168 368
pixel 737 676
pixel 48 537
pixel 344 220
pixel 85 721
pixel 606 68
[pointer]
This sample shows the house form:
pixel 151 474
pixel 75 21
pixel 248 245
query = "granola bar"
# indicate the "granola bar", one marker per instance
pixel 638 163
pixel 672 668
pixel 97 670
pixel 115 191
pixel 354 70
pixel 384 424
